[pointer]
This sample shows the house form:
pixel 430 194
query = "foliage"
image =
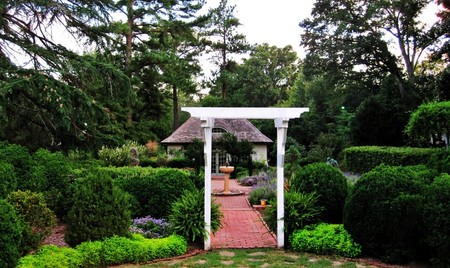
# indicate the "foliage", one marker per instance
pixel 168 183
pixel 10 233
pixel 324 238
pixel 430 120
pixel 99 210
pixel 299 210
pixel 364 158
pixel 121 156
pixel 193 152
pixel 110 251
pixel 337 43
pixel 52 256
pixel 19 157
pixel 223 29
pixel 436 214
pixel 150 227
pixel 50 175
pixel 187 215
pixel 263 80
pixel 378 121
pixel 328 183
pixel 440 160
pixel 8 179
pixel 38 219
pixel 264 188
pixel 383 212
pixel 240 151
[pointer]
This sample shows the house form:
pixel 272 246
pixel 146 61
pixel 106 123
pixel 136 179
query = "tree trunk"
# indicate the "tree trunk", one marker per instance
pixel 176 115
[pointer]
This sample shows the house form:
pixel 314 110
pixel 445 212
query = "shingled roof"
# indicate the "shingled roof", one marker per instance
pixel 241 128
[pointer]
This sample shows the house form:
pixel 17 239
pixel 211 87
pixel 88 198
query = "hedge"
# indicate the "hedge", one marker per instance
pixel 364 158
pixel 111 251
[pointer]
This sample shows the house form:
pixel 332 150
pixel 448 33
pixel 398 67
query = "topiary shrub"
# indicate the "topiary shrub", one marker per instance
pixel 437 221
pixel 53 256
pixel 8 179
pixel 328 183
pixel 156 190
pixel 299 210
pixel 324 238
pixel 10 235
pixel 19 157
pixel 51 176
pixel 99 210
pixel 187 215
pixel 440 160
pixel 38 219
pixel 383 213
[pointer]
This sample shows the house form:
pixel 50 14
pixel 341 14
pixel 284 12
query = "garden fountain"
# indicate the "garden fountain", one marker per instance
pixel 226 184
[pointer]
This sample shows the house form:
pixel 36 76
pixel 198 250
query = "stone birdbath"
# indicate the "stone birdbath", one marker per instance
pixel 226 184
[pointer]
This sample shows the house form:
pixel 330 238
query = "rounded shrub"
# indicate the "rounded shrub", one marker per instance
pixel 156 190
pixel 187 215
pixel 325 238
pixel 328 183
pixel 19 157
pixel 10 235
pixel 8 179
pixel 437 221
pixel 383 213
pixel 51 176
pixel 299 210
pixel 53 256
pixel 99 210
pixel 38 219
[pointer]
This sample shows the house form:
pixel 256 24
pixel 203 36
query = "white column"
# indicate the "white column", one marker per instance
pixel 282 125
pixel 207 125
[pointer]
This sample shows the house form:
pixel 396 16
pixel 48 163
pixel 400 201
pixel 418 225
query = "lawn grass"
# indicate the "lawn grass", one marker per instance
pixel 255 258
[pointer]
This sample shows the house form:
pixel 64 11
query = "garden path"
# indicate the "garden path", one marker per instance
pixel 242 227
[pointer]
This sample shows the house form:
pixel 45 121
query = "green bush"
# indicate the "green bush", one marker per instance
pixel 324 238
pixel 8 179
pixel 52 256
pixel 99 210
pixel 19 157
pixel 10 235
pixel 187 215
pixel 266 193
pixel 121 156
pixel 437 219
pixel 156 190
pixel 328 183
pixel 119 250
pixel 299 210
pixel 440 160
pixel 178 162
pixel 50 175
pixel 363 159
pixel 38 219
pixel 383 212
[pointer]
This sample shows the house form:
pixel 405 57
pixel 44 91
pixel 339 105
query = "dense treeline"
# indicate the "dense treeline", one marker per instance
pixel 367 68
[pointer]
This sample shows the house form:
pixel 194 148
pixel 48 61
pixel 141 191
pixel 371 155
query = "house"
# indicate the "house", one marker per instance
pixel 241 128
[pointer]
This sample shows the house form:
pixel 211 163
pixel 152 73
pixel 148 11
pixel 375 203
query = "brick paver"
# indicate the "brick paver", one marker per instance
pixel 242 226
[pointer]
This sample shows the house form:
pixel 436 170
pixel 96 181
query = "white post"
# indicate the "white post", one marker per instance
pixel 281 124
pixel 207 125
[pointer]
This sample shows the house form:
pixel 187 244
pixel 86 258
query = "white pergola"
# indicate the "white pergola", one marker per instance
pixel 281 117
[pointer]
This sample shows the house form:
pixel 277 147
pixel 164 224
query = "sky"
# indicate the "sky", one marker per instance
pixel 271 21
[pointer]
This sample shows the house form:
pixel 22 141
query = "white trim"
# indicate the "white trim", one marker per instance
pixel 281 116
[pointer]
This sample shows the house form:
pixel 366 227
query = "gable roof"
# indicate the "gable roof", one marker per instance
pixel 241 128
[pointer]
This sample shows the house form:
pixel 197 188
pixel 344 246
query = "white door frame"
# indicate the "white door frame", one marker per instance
pixel 281 118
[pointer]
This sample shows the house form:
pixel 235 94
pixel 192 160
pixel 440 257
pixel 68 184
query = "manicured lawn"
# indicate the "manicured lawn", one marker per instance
pixel 255 258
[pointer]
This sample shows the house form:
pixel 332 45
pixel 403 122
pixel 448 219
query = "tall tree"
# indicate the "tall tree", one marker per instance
pixel 359 36
pixel 265 77
pixel 225 41
pixel 45 87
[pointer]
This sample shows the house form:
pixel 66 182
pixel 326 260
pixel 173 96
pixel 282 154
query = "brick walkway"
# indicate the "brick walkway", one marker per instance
pixel 242 226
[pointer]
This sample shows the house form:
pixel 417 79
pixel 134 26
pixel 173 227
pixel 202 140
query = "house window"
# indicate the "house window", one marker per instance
pixel 218 130
pixel 218 159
